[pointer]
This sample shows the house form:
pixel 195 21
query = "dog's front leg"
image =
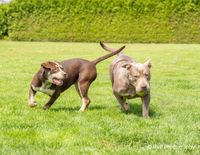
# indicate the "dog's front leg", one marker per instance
pixel 52 99
pixel 122 102
pixel 145 105
pixel 31 101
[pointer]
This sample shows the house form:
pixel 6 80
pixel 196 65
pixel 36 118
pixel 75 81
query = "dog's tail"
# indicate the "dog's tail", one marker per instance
pixel 113 52
pixel 108 48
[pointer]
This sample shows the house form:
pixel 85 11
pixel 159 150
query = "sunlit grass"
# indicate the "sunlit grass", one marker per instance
pixel 173 127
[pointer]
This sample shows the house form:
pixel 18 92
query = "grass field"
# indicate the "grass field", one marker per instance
pixel 173 127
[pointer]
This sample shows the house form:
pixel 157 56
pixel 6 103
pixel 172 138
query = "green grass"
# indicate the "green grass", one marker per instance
pixel 173 127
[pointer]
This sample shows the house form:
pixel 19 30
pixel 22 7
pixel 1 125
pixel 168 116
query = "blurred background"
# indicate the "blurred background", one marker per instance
pixel 143 21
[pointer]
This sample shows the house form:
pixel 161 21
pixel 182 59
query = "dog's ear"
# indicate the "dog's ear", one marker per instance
pixel 48 65
pixel 55 61
pixel 148 63
pixel 127 66
pixel 44 73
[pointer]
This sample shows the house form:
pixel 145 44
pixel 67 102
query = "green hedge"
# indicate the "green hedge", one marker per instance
pixel 175 21
pixel 3 22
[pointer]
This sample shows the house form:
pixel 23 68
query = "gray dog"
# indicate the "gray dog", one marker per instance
pixel 129 80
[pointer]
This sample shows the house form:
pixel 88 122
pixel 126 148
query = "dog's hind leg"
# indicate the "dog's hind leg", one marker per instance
pixel 83 87
pixel 77 89
pixel 85 100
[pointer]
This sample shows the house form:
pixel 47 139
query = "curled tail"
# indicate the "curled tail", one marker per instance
pixel 108 48
pixel 113 52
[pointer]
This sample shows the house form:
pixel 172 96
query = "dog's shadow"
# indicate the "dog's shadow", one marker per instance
pixel 136 109
pixel 76 109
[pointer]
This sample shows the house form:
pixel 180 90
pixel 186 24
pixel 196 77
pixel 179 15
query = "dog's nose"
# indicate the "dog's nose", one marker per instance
pixel 144 87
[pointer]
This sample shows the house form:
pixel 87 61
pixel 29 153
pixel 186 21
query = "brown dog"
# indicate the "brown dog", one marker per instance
pixel 129 80
pixel 55 77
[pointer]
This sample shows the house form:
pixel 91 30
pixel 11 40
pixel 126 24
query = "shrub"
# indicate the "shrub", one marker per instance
pixel 3 21
pixel 109 20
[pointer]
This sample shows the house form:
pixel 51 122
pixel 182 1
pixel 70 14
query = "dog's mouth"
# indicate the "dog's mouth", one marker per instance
pixel 57 82
pixel 141 93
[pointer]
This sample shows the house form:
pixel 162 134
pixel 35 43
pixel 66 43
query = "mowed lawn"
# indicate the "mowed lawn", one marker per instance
pixel 173 126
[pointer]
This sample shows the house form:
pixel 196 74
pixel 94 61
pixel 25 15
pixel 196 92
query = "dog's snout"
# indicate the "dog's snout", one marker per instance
pixel 144 86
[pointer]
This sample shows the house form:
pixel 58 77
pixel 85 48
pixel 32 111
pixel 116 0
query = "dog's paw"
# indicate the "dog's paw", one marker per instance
pixel 32 104
pixel 45 107
pixel 81 110
pixel 126 107
pixel 146 116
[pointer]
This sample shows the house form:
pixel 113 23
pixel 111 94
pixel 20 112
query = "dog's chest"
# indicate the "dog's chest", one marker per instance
pixel 131 93
pixel 46 88
pixel 128 93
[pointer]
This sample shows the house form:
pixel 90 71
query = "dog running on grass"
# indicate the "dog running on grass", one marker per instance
pixel 130 79
pixel 53 78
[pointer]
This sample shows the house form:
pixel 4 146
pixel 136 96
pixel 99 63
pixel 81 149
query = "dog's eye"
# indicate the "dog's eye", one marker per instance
pixel 147 75
pixel 136 76
pixel 56 70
